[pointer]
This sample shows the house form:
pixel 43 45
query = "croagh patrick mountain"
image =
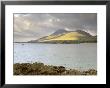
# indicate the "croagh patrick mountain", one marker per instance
pixel 67 37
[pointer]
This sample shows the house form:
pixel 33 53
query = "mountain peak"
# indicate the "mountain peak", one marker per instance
pixel 83 32
pixel 60 31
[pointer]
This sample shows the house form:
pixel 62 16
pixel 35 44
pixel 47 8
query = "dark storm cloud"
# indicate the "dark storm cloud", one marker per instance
pixel 33 26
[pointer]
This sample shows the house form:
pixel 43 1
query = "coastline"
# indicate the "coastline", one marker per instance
pixel 42 69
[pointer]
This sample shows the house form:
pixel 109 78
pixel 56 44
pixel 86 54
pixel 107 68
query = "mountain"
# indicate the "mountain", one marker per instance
pixel 83 32
pixel 64 36
pixel 61 31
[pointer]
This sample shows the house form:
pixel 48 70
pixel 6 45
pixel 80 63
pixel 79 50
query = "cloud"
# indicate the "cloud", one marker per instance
pixel 34 26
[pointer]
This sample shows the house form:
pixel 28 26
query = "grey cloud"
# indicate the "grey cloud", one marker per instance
pixel 41 24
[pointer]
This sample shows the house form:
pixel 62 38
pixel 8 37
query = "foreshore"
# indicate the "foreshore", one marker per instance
pixel 41 69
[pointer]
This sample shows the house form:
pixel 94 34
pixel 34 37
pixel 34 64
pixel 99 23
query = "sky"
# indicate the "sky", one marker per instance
pixel 33 26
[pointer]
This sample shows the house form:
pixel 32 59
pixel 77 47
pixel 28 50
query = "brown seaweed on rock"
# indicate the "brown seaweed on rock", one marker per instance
pixel 41 69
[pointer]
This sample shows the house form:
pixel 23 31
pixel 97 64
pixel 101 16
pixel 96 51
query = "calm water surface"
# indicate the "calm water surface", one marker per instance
pixel 78 56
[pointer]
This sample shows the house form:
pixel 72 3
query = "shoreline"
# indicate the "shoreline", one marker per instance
pixel 42 69
pixel 51 43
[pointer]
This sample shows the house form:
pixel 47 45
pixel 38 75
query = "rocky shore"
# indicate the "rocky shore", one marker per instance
pixel 41 69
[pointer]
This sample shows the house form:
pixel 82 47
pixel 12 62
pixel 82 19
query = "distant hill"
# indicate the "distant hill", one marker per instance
pixel 68 37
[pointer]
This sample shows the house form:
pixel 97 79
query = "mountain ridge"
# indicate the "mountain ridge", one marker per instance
pixel 64 36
